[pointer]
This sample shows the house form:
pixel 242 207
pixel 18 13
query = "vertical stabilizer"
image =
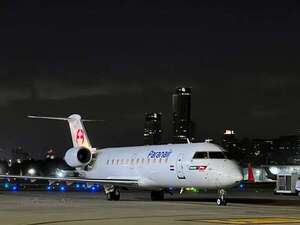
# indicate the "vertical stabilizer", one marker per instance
pixel 78 132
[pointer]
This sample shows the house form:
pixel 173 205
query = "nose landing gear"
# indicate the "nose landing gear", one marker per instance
pixel 221 200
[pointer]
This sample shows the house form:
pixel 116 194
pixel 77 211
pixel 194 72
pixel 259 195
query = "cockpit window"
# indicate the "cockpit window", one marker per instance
pixel 200 155
pixel 217 155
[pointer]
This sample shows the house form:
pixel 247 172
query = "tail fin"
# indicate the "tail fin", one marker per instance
pixel 78 132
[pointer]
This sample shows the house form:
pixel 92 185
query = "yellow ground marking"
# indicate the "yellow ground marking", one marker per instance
pixel 258 220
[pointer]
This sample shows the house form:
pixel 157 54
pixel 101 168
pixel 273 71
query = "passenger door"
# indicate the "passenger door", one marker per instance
pixel 180 166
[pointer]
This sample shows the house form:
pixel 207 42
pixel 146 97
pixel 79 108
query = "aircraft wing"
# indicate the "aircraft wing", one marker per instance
pixel 119 182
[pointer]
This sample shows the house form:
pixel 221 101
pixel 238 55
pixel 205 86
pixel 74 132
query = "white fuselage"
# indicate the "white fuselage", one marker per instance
pixel 164 166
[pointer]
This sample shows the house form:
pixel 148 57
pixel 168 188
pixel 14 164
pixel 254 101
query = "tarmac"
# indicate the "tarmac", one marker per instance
pixel 84 208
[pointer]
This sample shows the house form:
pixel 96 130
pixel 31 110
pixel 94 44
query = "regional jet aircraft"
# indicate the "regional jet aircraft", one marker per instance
pixel 156 168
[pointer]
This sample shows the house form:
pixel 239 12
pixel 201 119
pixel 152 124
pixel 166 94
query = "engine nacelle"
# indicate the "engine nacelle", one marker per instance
pixel 76 157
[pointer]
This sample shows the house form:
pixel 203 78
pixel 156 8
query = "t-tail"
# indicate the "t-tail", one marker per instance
pixel 81 152
pixel 77 129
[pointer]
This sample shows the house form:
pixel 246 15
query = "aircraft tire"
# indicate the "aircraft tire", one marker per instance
pixel 109 196
pixel 116 195
pixel 157 195
pixel 221 202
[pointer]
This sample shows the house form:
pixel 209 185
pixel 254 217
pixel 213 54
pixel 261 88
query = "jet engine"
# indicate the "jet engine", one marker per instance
pixel 76 157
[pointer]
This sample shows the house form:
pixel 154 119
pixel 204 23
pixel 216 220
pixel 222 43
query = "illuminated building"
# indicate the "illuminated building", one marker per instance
pixel 182 124
pixel 152 129
pixel 51 154
pixel 229 140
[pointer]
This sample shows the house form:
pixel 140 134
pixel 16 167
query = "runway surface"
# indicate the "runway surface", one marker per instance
pixel 44 208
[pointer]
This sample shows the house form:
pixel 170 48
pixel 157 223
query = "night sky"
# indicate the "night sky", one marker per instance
pixel 117 60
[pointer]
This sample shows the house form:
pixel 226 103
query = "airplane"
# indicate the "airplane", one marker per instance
pixel 156 168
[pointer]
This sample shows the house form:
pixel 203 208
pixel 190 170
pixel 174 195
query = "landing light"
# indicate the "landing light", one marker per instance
pixel 59 173
pixel 31 171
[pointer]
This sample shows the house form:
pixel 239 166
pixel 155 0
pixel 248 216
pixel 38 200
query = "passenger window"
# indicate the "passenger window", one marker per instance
pixel 200 155
pixel 216 155
pixel 107 162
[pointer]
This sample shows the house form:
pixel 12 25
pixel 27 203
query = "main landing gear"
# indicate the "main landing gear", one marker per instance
pixel 157 195
pixel 112 193
pixel 221 200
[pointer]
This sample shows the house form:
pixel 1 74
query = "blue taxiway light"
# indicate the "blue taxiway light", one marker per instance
pixel 93 188
pixel 62 188
pixel 242 186
pixel 14 188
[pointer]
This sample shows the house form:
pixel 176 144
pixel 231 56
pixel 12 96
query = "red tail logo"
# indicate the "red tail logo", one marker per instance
pixel 80 136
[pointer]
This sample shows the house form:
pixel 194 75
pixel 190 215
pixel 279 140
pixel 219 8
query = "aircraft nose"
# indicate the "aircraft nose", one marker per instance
pixel 237 176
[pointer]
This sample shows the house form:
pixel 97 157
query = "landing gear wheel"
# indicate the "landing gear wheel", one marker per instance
pixel 114 195
pixel 157 195
pixel 117 195
pixel 221 200
pixel 109 196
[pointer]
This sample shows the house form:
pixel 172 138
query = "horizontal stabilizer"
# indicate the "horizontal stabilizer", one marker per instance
pixel 61 118
pixel 78 132
pixel 47 118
